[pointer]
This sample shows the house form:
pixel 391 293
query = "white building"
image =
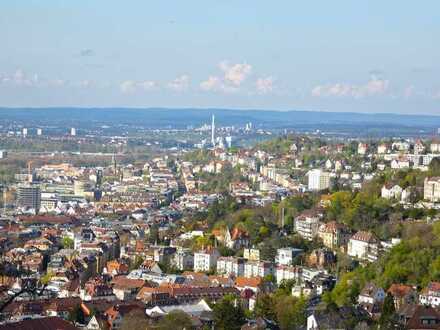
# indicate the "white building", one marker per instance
pixel 362 148
pixel 183 259
pixel 363 245
pixel 391 192
pixel 285 273
pixel 206 260
pixel 307 225
pixel 318 180
pixel 258 269
pixel 73 131
pixel 371 294
pixel 230 266
pixel 431 295
pixel 285 256
pixel 431 191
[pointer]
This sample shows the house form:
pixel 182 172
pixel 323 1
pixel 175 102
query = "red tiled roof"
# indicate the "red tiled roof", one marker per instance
pixel 48 323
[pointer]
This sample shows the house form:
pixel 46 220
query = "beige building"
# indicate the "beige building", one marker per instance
pixel 431 190
pixel 334 235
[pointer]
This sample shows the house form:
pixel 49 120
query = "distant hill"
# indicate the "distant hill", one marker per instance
pixel 181 118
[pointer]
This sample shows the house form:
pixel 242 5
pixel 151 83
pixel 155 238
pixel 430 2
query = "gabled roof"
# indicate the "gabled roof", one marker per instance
pixel 364 236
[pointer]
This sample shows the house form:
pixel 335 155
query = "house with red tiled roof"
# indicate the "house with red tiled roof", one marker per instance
pixel 116 267
pixel 253 283
pixel 402 295
pixel 125 288
pixel 97 289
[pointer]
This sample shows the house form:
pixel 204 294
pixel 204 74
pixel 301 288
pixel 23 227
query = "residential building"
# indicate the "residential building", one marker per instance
pixel 391 191
pixel 334 235
pixel 363 245
pixel 307 225
pixel 285 256
pixel 206 260
pixel 431 191
pixel 318 180
pixel 231 266
pixel 258 269
pixel 431 295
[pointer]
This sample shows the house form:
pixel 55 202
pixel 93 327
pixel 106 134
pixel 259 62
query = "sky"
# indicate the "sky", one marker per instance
pixel 358 56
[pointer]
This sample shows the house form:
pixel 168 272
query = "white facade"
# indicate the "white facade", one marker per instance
pixel 318 180
pixel 284 273
pixel 285 255
pixel 230 266
pixel 205 261
pixel 307 226
pixel 258 269
pixel 431 190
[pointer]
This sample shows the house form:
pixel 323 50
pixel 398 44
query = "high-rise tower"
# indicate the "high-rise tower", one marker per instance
pixel 213 131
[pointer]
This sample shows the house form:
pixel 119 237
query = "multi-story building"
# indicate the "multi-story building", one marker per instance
pixel 431 190
pixel 258 269
pixel 29 196
pixel 318 180
pixel 334 234
pixel 307 225
pixel 183 259
pixel 206 260
pixel 285 273
pixel 251 254
pixel 285 256
pixel 363 245
pixel 231 266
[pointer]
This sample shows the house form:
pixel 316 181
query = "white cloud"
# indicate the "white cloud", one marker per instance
pixel 20 78
pixel 235 74
pixel 212 84
pixel 264 85
pixel 131 86
pixel 375 86
pixel 179 84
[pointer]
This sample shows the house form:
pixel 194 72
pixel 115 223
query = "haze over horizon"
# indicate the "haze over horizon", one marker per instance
pixel 375 57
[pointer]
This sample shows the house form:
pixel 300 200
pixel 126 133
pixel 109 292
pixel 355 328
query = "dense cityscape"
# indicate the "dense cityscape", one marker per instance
pixel 219 165
pixel 287 231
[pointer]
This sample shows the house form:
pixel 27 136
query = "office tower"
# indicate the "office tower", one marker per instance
pixel 29 196
pixel 318 180
pixel 73 131
pixel 99 176
pixel 25 132
pixel 39 131
pixel 229 141
pixel 213 131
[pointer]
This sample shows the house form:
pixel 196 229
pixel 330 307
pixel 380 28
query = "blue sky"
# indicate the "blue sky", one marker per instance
pixel 365 56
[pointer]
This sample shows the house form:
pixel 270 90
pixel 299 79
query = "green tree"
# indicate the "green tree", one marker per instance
pixel 135 320
pixel 67 243
pixel 265 307
pixel 291 312
pixel 175 320
pixel 228 316
pixel 387 316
